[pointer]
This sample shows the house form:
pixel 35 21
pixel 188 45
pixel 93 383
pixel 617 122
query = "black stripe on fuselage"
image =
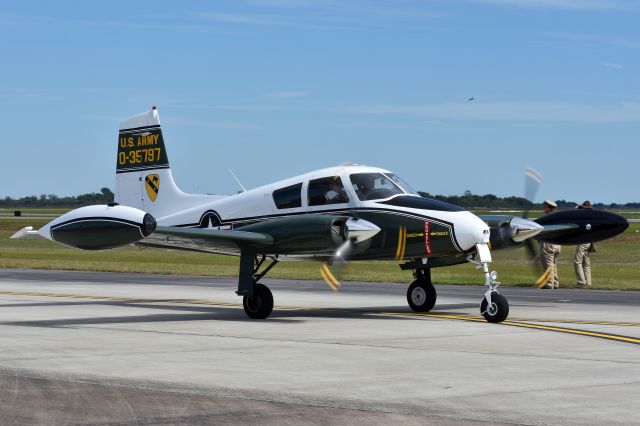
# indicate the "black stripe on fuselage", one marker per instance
pixel 347 211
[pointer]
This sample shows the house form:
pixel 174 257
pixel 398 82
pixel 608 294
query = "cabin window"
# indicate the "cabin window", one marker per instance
pixel 288 197
pixel 327 190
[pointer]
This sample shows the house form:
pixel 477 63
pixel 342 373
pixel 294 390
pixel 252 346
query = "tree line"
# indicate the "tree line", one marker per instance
pixel 490 201
pixel 467 200
pixel 105 196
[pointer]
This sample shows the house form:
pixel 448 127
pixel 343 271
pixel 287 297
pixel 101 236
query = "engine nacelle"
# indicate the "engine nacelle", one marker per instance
pixel 302 234
pixel 315 233
pixel 99 227
pixel 510 231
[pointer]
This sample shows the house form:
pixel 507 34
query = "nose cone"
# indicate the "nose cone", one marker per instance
pixel 470 230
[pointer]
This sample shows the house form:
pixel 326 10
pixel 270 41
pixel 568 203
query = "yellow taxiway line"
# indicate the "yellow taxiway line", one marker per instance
pixel 517 323
pixel 608 336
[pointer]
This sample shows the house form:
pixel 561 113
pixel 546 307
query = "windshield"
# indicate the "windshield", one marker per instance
pixel 374 186
pixel 402 184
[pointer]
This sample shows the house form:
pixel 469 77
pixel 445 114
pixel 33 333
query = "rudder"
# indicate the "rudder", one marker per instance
pixel 143 173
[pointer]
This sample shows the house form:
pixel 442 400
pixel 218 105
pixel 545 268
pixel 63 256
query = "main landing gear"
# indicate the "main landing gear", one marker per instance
pixel 256 298
pixel 421 294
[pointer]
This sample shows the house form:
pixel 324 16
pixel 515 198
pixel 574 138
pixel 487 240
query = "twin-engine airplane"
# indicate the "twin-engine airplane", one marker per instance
pixel 330 215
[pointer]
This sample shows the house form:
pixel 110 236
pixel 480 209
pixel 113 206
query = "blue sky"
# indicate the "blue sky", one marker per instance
pixel 274 88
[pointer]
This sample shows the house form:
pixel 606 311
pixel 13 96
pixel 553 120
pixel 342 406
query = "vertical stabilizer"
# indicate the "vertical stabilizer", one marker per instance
pixel 143 174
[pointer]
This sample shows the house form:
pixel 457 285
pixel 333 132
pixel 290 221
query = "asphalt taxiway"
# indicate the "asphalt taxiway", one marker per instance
pixel 80 347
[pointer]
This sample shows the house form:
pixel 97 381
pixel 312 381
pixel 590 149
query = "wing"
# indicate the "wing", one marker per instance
pixel 208 240
pixel 313 234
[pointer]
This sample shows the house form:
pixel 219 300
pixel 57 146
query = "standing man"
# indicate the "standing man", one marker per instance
pixel 581 260
pixel 549 253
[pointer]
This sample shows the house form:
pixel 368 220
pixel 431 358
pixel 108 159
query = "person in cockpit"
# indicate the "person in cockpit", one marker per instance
pixel 363 183
pixel 336 192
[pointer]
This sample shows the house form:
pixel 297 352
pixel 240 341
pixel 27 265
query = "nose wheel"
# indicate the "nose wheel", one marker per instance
pixel 497 311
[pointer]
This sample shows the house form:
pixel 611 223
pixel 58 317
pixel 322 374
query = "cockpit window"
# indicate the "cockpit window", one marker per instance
pixel 327 190
pixel 374 186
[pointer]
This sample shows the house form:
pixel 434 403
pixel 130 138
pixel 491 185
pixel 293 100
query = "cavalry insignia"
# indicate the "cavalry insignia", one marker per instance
pixel 152 183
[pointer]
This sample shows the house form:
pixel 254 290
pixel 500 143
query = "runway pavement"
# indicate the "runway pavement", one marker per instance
pixel 88 348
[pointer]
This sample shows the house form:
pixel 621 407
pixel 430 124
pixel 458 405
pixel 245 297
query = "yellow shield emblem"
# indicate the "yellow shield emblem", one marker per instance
pixel 152 183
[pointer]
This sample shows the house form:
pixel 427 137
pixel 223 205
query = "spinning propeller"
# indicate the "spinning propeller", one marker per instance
pixel 532 181
pixel 332 270
pixel 355 231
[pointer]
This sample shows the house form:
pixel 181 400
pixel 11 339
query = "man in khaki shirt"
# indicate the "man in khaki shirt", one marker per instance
pixel 549 253
pixel 581 260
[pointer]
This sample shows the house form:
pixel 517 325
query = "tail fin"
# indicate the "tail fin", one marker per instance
pixel 143 174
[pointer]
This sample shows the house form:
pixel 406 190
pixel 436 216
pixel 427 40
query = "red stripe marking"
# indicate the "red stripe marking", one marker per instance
pixel 427 237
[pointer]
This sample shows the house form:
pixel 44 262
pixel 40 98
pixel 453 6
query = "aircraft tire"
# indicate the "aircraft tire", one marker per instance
pixel 260 305
pixel 421 296
pixel 499 308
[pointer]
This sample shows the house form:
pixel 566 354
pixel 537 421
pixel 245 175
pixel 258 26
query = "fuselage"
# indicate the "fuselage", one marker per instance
pixel 411 226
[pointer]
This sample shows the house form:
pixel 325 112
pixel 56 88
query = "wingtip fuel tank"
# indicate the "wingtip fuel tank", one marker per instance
pixel 99 227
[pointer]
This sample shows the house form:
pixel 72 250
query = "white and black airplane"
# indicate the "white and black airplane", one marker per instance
pixel 347 212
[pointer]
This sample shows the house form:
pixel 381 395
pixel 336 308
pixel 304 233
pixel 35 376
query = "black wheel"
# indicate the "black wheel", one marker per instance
pixel 499 310
pixel 260 305
pixel 421 296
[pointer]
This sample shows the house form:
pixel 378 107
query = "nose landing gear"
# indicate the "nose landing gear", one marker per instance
pixel 494 306
pixel 497 310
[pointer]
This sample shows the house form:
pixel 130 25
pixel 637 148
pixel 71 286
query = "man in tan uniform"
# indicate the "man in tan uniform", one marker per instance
pixel 549 253
pixel 581 260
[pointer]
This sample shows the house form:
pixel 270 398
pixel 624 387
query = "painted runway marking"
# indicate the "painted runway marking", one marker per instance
pixel 607 336
pixel 517 322
pixel 124 299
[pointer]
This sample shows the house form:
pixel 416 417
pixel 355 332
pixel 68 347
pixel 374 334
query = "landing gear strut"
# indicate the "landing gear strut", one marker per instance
pixel 421 294
pixel 256 298
pixel 494 306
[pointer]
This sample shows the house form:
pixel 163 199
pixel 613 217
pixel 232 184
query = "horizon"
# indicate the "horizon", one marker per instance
pixel 561 202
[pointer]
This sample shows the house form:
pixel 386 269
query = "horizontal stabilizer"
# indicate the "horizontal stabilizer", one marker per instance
pixel 26 233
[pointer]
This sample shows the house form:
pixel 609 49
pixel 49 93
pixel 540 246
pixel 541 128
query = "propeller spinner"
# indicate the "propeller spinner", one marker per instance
pixel 356 231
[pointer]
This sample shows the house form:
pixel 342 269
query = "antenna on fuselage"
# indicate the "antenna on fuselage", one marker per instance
pixel 238 181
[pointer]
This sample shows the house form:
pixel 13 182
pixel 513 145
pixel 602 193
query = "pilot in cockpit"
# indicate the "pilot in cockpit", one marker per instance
pixel 363 183
pixel 335 191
